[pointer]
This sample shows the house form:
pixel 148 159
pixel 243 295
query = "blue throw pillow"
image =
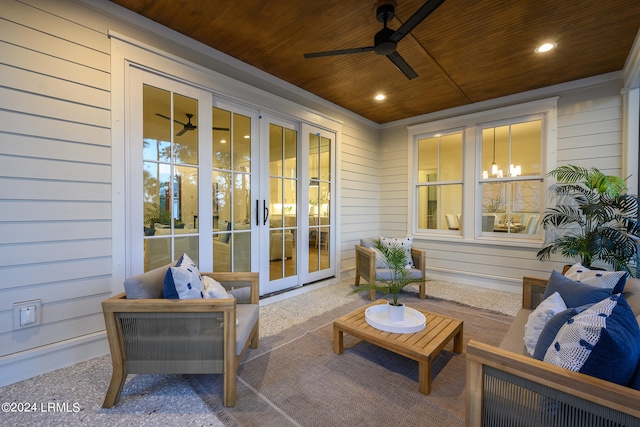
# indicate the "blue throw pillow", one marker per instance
pixel 603 341
pixel 574 294
pixel 550 331
pixel 183 281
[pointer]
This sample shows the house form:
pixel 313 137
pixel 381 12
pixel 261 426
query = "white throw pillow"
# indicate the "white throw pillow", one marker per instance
pixel 597 278
pixel 213 289
pixel 548 308
pixel 403 242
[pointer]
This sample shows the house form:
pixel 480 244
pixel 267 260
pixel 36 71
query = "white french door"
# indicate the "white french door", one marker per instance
pixel 195 186
pixel 296 215
pixel 318 220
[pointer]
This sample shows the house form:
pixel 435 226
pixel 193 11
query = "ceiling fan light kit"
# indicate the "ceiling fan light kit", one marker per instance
pixel 188 126
pixel 385 41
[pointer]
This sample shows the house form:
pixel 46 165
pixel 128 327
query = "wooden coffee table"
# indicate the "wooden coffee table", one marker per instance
pixel 421 346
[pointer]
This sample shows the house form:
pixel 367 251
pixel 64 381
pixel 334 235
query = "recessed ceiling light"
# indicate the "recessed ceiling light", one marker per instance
pixel 546 47
pixel 379 97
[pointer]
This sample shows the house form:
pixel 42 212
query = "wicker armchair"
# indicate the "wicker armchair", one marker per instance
pixel 366 268
pixel 156 335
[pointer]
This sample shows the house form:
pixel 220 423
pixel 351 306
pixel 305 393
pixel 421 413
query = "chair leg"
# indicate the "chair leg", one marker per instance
pixel 372 294
pixel 115 387
pixel 423 290
pixel 357 279
pixel 255 338
pixel 229 393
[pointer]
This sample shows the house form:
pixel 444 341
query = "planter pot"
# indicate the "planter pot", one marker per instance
pixel 395 313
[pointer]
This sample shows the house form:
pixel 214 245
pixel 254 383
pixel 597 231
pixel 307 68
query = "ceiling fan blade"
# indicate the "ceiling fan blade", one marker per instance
pixel 402 65
pixel 224 129
pixel 420 15
pixel 169 118
pixel 182 132
pixel 339 52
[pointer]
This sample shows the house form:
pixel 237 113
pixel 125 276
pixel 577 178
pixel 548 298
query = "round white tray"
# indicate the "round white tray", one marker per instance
pixel 376 316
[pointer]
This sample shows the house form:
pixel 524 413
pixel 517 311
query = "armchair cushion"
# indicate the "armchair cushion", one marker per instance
pixel 242 295
pixel 146 285
pixel 387 273
pixel 246 318
pixel 367 242
pixel 603 341
pixel 183 281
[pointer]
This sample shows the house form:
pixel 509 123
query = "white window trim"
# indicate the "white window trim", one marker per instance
pixel 471 123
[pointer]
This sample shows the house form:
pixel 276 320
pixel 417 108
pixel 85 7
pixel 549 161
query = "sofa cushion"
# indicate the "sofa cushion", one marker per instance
pixel 146 285
pixel 550 330
pixel 242 295
pixel 614 280
pixel 574 294
pixel 548 308
pixel 183 281
pixel 603 341
pixel 512 340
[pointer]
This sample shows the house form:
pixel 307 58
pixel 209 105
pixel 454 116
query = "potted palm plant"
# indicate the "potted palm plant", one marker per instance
pixel 399 276
pixel 598 220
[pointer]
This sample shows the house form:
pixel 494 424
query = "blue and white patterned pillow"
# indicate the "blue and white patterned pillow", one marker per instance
pixel 614 280
pixel 403 242
pixel 183 281
pixel 602 341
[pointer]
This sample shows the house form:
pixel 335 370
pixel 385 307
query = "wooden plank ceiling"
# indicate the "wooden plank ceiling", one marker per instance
pixel 466 51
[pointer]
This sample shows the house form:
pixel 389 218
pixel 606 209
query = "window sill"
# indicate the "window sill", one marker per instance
pixel 484 240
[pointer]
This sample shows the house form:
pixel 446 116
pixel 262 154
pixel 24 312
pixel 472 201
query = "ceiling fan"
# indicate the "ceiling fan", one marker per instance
pixel 386 40
pixel 187 126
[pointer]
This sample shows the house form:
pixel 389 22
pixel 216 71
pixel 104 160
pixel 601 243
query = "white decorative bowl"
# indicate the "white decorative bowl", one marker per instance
pixel 376 316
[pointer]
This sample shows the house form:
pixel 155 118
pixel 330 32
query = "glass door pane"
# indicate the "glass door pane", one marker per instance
pixel 319 191
pixel 231 190
pixel 283 202
pixel 170 176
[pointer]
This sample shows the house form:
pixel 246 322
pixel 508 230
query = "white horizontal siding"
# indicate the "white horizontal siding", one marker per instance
pixel 55 174
pixel 590 128
pixel 359 191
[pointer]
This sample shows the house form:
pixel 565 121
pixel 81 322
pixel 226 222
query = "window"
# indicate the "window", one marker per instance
pixel 439 182
pixel 485 171
pixel 510 178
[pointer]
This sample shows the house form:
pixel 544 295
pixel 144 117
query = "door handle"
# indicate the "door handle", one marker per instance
pixel 265 212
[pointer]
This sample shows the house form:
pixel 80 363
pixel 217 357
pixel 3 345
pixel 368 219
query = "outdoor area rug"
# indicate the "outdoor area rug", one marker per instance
pixel 295 379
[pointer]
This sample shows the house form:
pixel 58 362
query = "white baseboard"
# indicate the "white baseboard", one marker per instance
pixel 31 363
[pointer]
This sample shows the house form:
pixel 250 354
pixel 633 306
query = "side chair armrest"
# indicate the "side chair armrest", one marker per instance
pixel 532 290
pixel 419 257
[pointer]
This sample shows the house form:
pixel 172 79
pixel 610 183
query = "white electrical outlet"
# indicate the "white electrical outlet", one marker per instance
pixel 27 314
